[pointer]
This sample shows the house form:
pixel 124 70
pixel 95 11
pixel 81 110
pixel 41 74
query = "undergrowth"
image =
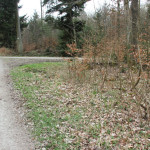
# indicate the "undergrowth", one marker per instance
pixel 6 52
pixel 72 114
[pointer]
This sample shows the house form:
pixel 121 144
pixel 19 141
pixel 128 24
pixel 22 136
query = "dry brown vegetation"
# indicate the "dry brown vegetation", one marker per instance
pixel 5 51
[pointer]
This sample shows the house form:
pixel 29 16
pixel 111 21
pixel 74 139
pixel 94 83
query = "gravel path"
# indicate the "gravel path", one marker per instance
pixel 13 133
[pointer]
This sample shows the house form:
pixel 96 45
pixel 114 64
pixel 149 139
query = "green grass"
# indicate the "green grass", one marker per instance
pixel 72 116
pixel 45 121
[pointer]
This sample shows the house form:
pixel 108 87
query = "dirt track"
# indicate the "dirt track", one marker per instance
pixel 13 133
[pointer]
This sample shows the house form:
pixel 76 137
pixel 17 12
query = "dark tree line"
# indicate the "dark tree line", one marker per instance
pixel 8 23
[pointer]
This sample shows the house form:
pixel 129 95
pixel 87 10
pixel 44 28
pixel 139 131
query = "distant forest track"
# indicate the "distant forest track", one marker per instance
pixel 18 61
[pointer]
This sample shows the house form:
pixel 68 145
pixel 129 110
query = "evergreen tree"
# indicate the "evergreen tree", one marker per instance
pixel 8 20
pixel 69 10
pixel 7 23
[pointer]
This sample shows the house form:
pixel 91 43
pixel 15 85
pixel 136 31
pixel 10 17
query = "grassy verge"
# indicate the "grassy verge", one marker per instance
pixel 74 116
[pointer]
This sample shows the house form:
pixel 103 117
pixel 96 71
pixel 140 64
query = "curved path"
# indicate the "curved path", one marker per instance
pixel 13 134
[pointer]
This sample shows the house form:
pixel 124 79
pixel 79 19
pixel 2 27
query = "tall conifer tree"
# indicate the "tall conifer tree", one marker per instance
pixel 7 23
pixel 69 10
pixel 8 19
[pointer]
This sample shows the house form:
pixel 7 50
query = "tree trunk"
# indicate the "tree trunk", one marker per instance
pixel 41 3
pixel 74 34
pixel 19 40
pixel 139 18
pixel 148 10
pixel 128 20
pixel 148 41
pixel 135 15
pixel 118 18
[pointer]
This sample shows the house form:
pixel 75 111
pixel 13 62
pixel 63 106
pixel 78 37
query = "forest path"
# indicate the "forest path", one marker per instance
pixel 13 134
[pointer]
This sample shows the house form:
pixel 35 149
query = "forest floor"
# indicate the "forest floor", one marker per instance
pixel 65 112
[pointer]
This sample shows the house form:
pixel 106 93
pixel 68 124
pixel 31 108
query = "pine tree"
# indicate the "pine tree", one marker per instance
pixel 69 10
pixel 8 19
pixel 7 23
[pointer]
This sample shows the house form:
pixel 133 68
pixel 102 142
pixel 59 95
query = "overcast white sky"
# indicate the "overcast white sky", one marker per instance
pixel 29 6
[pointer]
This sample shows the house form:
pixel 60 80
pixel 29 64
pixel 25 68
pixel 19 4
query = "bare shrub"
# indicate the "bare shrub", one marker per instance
pixel 109 63
pixel 5 51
